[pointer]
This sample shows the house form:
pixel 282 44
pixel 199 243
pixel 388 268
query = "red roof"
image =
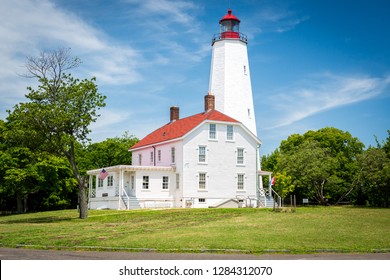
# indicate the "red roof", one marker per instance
pixel 229 16
pixel 181 127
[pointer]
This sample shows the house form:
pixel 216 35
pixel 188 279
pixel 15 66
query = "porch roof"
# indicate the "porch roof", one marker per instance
pixel 131 168
pixel 264 173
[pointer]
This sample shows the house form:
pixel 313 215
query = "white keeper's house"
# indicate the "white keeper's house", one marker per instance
pixel 210 159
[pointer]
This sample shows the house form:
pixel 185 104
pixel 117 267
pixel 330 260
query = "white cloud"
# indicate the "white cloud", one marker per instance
pixel 165 11
pixel 323 93
pixel 276 18
pixel 170 26
pixel 29 27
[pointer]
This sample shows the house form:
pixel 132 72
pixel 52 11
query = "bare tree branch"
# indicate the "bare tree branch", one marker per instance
pixel 51 64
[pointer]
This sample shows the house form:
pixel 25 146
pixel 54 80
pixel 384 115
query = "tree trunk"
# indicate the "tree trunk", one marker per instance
pixel 19 204
pixel 82 197
pixel 83 200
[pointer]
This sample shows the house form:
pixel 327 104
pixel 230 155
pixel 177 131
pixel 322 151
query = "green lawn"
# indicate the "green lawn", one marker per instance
pixel 310 229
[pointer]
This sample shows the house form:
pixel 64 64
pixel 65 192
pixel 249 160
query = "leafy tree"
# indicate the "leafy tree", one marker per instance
pixel 374 178
pixel 20 177
pixel 310 166
pixel 269 162
pixel 32 178
pixel 110 152
pixel 337 150
pixel 283 185
pixel 58 113
pixel 58 190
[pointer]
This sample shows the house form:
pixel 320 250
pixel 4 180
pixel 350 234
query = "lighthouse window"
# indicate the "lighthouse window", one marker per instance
pixel 230 25
pixel 244 69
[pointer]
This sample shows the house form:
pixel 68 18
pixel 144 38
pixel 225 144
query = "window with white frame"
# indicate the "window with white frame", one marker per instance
pixel 151 157
pixel 240 155
pixel 100 183
pixel 229 132
pixel 202 181
pixel 165 181
pixel 159 155
pixel 212 131
pixel 139 159
pixel 202 154
pixel 173 155
pixel 110 181
pixel 240 182
pixel 202 200
pixel 145 182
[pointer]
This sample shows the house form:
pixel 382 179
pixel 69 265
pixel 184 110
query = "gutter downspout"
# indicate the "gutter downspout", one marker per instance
pixel 258 166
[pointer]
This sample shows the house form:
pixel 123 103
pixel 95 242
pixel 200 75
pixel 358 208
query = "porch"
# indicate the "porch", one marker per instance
pixel 132 187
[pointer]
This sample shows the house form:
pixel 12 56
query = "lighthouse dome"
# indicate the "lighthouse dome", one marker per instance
pixel 229 16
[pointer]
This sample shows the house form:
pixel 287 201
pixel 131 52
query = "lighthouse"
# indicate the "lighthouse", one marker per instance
pixel 230 80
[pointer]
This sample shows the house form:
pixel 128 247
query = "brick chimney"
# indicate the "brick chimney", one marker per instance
pixel 209 102
pixel 174 113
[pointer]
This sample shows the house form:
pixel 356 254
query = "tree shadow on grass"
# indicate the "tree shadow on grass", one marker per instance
pixel 38 220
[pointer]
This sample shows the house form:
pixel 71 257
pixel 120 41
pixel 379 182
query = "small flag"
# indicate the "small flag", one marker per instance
pixel 103 174
pixel 273 181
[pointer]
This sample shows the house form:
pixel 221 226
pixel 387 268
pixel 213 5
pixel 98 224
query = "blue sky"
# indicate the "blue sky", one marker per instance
pixel 313 63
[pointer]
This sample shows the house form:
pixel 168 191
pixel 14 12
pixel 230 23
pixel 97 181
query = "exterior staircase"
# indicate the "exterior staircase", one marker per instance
pixel 266 199
pixel 129 202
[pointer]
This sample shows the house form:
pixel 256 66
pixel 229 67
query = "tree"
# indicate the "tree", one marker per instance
pixel 310 166
pixel 51 65
pixel 58 113
pixel 337 148
pixel 283 185
pixel 110 152
pixel 374 178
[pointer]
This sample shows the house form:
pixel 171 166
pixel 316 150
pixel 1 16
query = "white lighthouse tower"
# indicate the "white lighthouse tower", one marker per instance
pixel 230 79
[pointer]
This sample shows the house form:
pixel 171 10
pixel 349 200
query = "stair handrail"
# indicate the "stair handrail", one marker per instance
pixel 262 193
pixel 127 197
pixel 279 198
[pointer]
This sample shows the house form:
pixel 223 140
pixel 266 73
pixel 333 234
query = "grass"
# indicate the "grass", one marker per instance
pixel 310 229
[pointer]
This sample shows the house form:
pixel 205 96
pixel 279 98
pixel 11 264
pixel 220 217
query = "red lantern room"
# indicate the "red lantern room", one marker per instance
pixel 229 28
